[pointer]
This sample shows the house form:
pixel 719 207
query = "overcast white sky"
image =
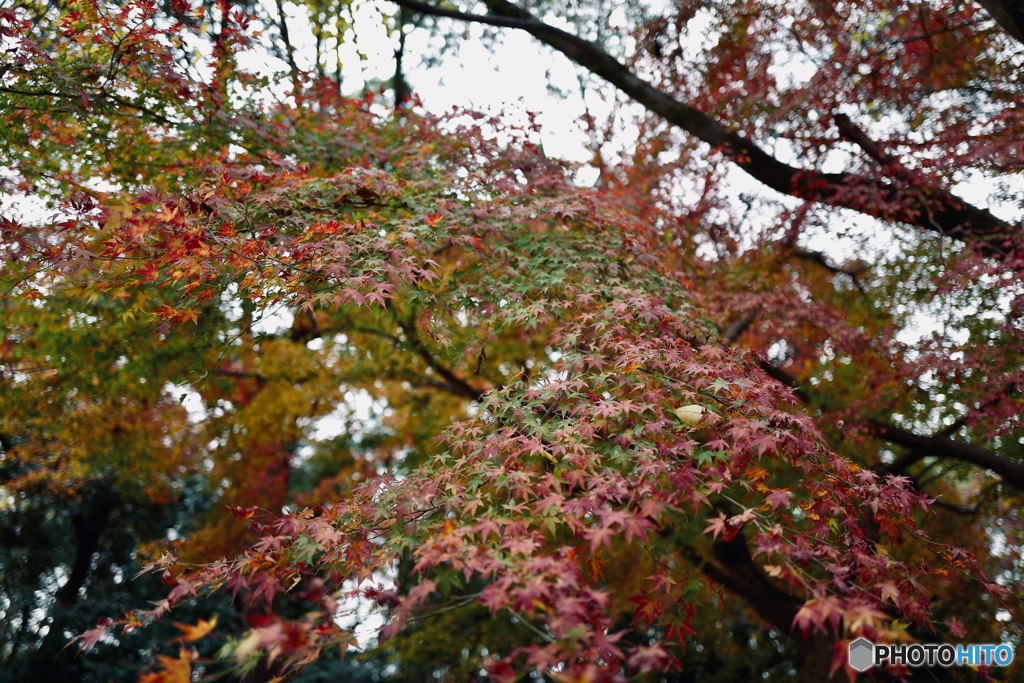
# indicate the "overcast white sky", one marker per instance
pixel 514 77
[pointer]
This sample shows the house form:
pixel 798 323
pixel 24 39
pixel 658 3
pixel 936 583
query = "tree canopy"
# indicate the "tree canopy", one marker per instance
pixel 282 364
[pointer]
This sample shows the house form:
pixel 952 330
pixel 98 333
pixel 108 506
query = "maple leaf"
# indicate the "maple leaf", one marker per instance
pixel 243 513
pixel 861 617
pixel 662 581
pixel 596 565
pixel 841 659
pixel 890 591
pixel 778 498
pixel 717 525
pixel 818 613
pixel 996 589
pixel 647 658
pixel 681 625
pixel 720 525
pixel 174 669
pixel 647 609
pixel 194 633
pixel 599 536
pixel 89 639
pixel 956 628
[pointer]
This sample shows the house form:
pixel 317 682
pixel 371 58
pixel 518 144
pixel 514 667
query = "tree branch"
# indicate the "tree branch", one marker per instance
pixel 733 332
pixel 855 135
pixel 289 51
pixel 102 94
pixel 940 445
pixel 945 447
pixel 458 385
pixel 736 570
pixel 1009 14
pixel 852 272
pixel 89 525
pixel 931 208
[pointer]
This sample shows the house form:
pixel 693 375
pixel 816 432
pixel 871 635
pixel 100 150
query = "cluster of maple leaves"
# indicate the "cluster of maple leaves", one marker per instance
pixel 633 419
pixel 591 447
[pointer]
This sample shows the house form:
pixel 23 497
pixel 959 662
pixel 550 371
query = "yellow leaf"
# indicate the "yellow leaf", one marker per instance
pixel 690 415
pixel 247 645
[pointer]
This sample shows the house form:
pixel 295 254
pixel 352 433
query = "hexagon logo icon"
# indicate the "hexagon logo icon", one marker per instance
pixel 862 654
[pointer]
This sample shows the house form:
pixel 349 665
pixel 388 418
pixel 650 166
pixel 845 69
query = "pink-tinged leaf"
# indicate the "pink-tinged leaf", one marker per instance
pixel 662 581
pixel 494 597
pixel 652 658
pixel 717 525
pixel 779 498
pixel 89 639
pixel 420 592
pixel 600 536
pixel 243 513
pixel 956 628
pixel 818 613
pixel 890 591
pixel 841 659
pixel 996 589
pixel 720 525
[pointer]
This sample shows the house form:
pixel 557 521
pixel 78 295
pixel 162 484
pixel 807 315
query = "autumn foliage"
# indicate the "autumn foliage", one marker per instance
pixel 603 421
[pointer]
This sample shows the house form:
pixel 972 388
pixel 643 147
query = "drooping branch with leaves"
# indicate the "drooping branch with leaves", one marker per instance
pixel 595 416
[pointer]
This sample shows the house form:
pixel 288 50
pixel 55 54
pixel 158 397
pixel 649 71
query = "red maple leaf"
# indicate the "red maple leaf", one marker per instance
pixel 647 609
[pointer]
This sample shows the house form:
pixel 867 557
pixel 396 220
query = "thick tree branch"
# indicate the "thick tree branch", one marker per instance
pixel 738 327
pixel 452 383
pixel 459 386
pixel 89 525
pixel 853 272
pixel 945 447
pixel 289 51
pixel 784 377
pixel 735 569
pixel 940 445
pixel 927 207
pixel 1009 14
pixel 854 134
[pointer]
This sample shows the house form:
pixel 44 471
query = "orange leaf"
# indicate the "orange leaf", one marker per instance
pixel 200 630
pixel 174 670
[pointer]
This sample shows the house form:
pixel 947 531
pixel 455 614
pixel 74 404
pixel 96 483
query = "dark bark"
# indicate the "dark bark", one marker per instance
pixel 1009 14
pixel 738 327
pixel 289 51
pixel 398 83
pixel 929 207
pixel 89 525
pixel 735 569
pixel 52 660
pixel 945 447
pixel 939 445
